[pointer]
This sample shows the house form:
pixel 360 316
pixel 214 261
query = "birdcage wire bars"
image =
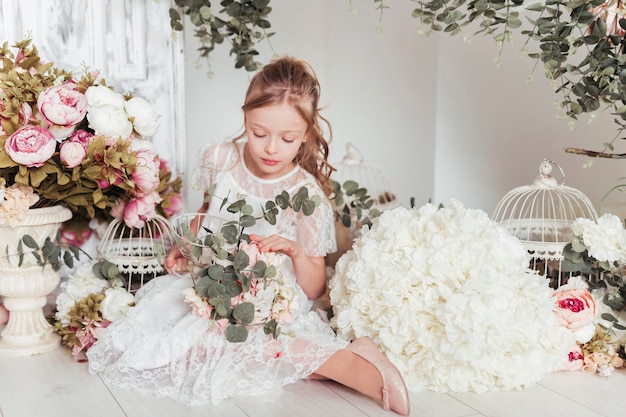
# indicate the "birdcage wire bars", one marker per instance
pixel 139 253
pixel 541 216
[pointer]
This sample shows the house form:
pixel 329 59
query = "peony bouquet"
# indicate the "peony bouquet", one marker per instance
pixel 76 142
pixel 89 300
pixel 235 284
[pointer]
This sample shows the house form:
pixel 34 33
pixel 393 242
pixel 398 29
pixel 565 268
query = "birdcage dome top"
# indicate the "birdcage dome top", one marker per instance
pixel 368 175
pixel 139 253
pixel 541 214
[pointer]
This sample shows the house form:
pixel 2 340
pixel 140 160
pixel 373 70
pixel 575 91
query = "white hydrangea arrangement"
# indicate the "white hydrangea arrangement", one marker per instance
pixel 448 296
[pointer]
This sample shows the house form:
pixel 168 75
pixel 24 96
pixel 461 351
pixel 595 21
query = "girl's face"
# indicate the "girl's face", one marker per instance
pixel 275 134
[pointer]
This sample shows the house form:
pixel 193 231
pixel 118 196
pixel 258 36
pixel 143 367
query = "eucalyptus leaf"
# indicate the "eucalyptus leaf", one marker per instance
pixel 244 313
pixel 236 333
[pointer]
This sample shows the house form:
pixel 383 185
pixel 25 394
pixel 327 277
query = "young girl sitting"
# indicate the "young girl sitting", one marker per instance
pixel 162 348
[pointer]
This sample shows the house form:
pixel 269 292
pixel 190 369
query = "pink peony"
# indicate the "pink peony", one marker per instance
pixel 575 308
pixel 146 173
pixel 62 105
pixel 72 153
pixel 140 209
pixel 83 137
pixel 164 166
pixel 31 146
pixel 172 204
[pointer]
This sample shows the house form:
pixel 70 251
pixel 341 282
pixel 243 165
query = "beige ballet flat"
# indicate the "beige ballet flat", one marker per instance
pixel 395 394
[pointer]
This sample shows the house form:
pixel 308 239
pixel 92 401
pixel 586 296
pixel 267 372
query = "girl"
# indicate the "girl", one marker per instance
pixel 160 347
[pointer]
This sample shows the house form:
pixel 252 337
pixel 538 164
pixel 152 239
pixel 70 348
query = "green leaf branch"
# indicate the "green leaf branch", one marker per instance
pixel 352 203
pixel 242 23
pixel 231 274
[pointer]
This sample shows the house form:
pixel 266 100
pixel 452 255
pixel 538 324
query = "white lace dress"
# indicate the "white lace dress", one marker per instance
pixel 161 348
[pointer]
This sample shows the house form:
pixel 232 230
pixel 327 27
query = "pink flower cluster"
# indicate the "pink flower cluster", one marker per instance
pixel 271 297
pixel 595 350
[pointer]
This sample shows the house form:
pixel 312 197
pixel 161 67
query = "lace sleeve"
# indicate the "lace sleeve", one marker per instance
pixel 213 158
pixel 317 231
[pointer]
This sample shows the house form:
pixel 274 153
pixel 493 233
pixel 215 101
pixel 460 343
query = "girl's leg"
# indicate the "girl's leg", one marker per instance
pixel 363 367
pixel 352 371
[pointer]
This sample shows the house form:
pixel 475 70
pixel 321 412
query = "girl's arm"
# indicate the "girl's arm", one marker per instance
pixel 310 270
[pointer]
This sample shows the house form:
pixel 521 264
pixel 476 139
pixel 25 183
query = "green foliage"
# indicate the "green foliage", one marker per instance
pixel 231 275
pixel 597 274
pixel 242 23
pixel 50 253
pixel 584 60
pixel 352 202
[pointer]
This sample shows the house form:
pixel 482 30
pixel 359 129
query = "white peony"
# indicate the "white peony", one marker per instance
pixel 448 296
pixel 78 286
pixel 145 119
pixel 116 303
pixel 99 95
pixel 110 121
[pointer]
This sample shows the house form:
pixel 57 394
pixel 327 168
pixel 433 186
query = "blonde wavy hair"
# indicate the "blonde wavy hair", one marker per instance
pixel 293 81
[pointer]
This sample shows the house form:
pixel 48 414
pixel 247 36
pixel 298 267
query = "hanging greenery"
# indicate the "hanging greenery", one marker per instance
pixel 580 45
pixel 242 23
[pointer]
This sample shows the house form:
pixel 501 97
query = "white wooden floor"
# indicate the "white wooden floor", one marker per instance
pixel 53 385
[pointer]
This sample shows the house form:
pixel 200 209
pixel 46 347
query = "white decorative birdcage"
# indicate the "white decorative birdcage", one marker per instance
pixel 368 175
pixel 541 216
pixel 139 253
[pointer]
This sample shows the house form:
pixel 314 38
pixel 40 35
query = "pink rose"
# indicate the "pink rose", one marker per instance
pixel 140 209
pixel 575 359
pixel 72 153
pixel 62 105
pixel 252 250
pixel 146 173
pixel 575 308
pixel 31 145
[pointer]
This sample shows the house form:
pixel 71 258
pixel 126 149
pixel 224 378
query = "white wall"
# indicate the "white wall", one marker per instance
pixel 494 128
pixel 434 113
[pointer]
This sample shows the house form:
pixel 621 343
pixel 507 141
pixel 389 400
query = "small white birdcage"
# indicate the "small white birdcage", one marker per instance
pixel 366 175
pixel 139 253
pixel 541 216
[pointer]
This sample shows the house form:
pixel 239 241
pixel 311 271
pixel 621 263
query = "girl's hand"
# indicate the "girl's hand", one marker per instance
pixel 310 270
pixel 175 261
pixel 276 243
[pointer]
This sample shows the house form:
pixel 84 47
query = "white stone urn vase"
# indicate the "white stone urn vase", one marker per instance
pixel 25 288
